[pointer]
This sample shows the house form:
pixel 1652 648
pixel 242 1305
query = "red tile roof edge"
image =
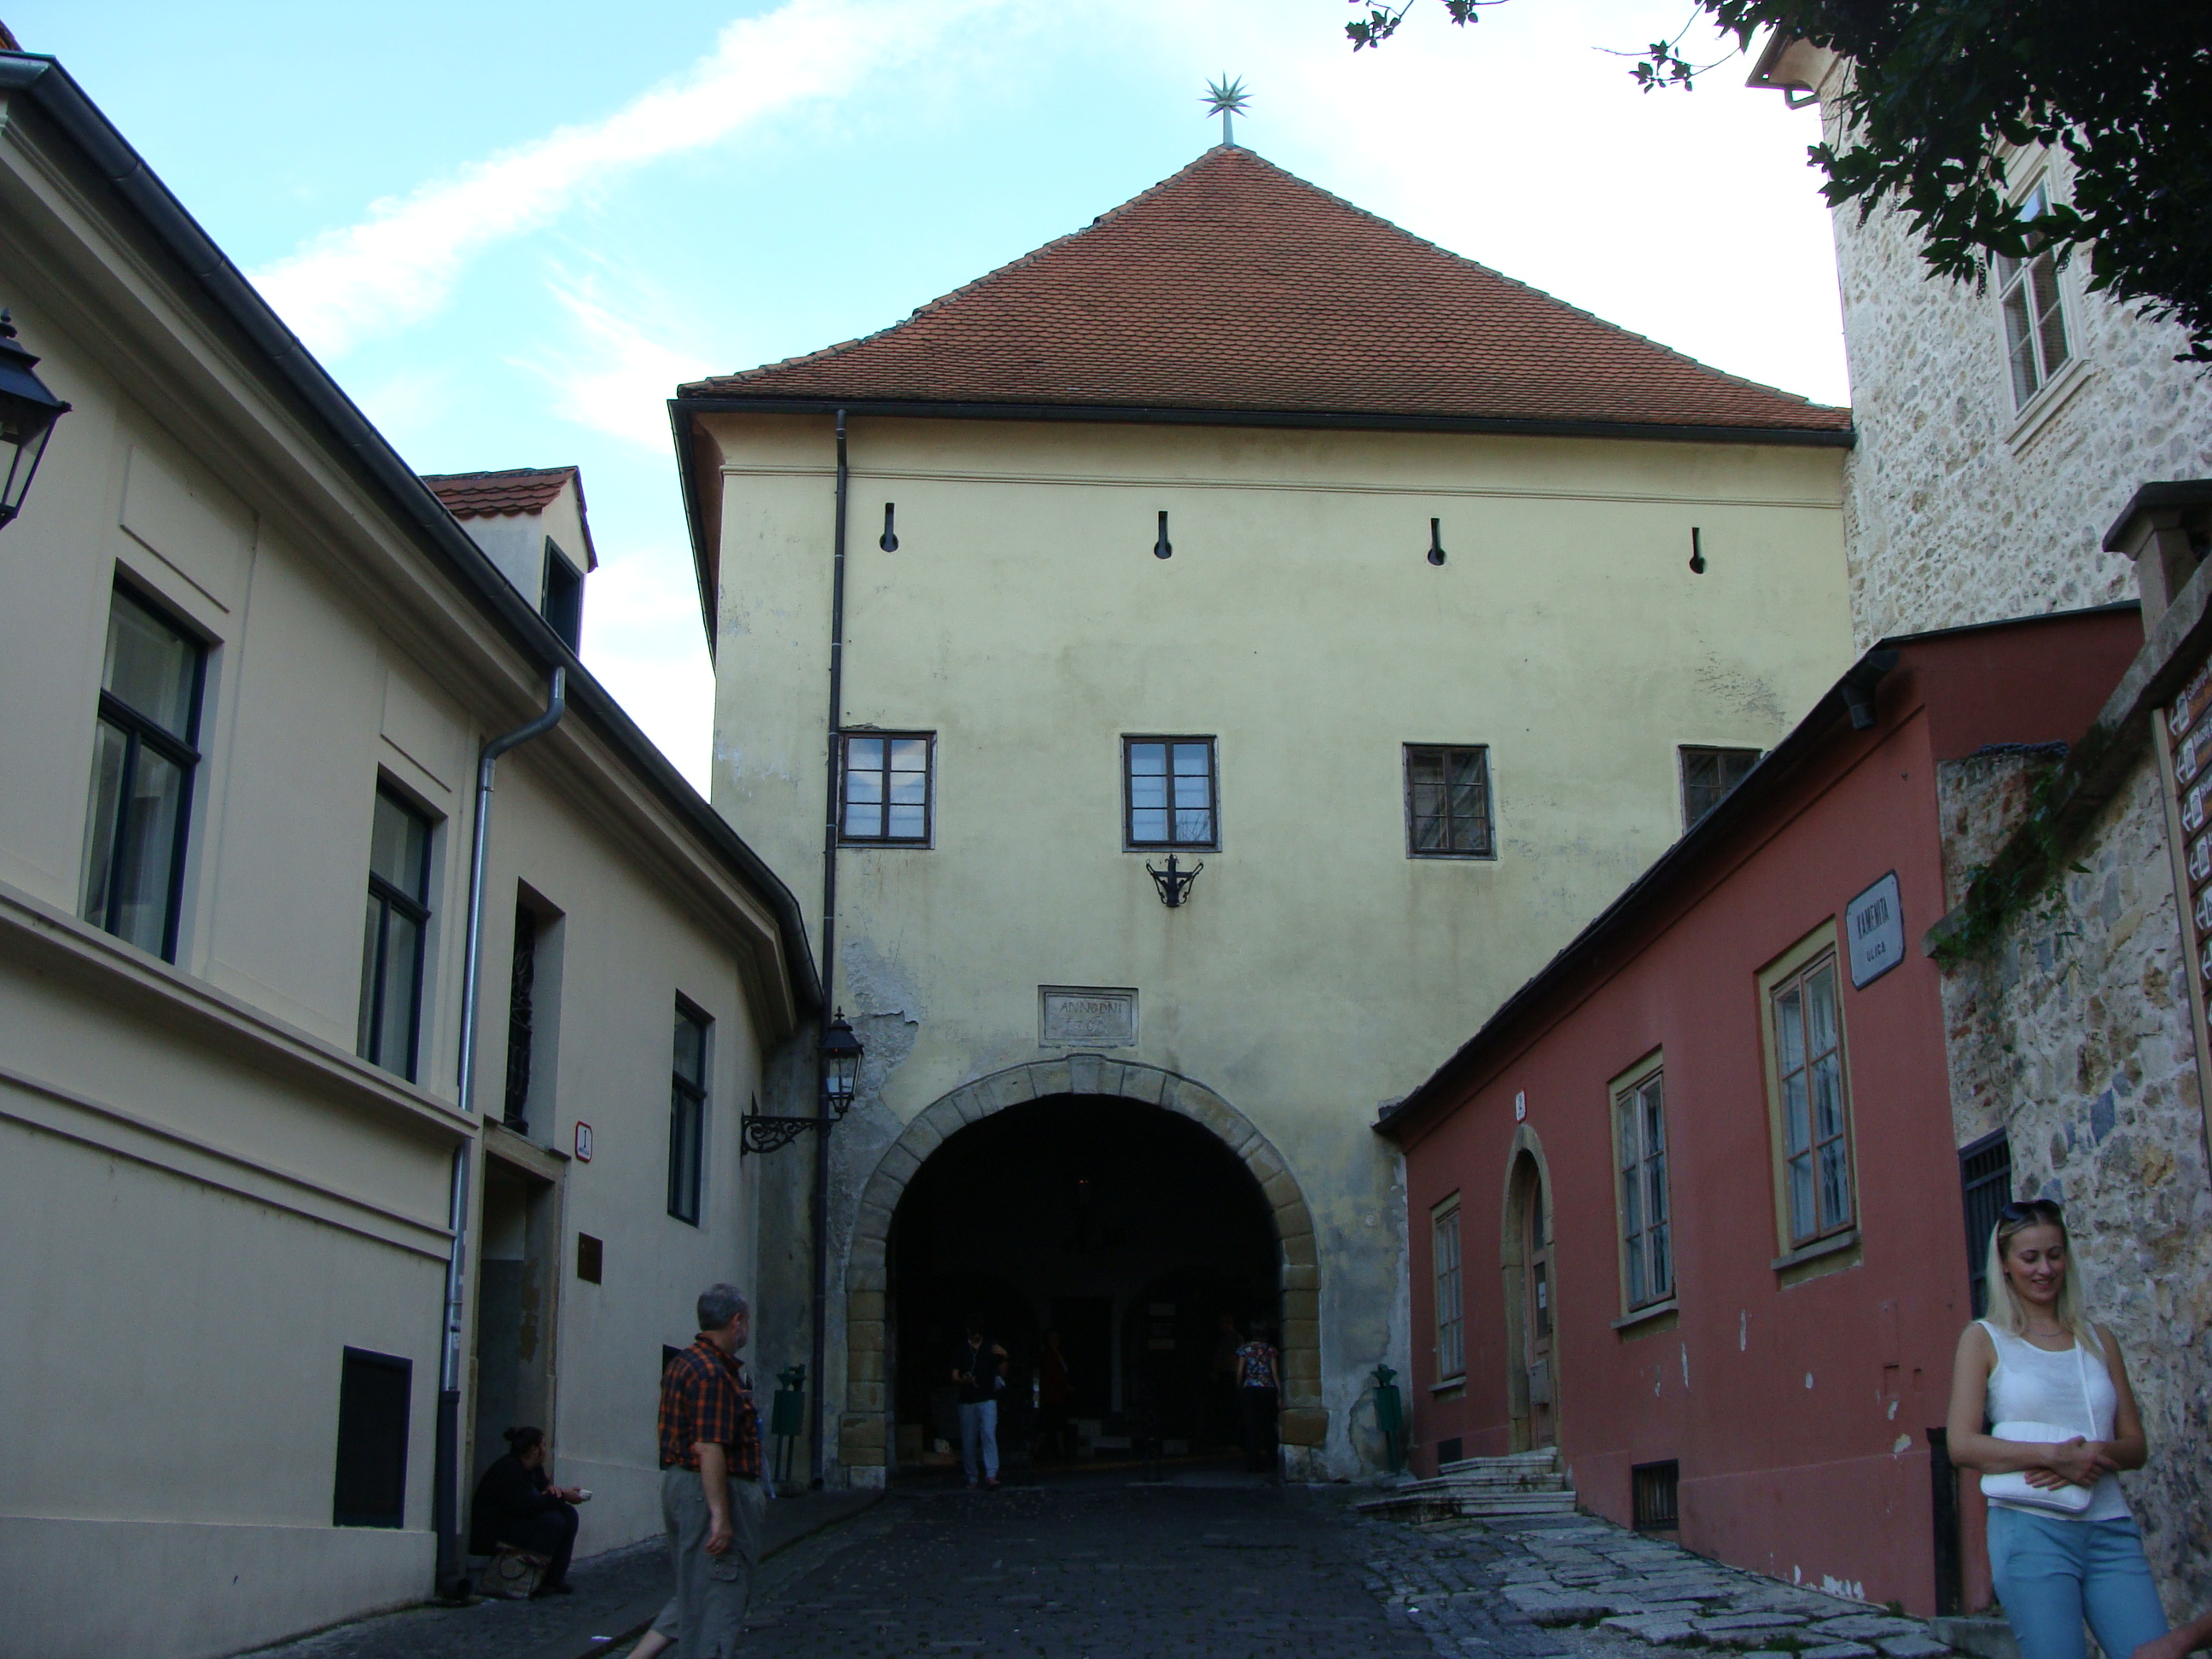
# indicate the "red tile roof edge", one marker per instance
pixel 1833 417
pixel 511 492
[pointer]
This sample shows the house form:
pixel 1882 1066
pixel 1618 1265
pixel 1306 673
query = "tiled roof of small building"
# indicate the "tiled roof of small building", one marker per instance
pixel 1235 286
pixel 500 494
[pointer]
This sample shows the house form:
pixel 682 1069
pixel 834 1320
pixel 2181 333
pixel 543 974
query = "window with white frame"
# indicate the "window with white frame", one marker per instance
pixel 1451 1310
pixel 2035 343
pixel 1813 1106
pixel 1647 1221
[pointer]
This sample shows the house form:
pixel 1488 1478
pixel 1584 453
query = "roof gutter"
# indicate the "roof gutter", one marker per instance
pixel 1852 698
pixel 1325 420
pixel 62 101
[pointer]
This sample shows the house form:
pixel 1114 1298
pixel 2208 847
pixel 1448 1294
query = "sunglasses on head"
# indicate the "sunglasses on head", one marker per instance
pixel 2031 1209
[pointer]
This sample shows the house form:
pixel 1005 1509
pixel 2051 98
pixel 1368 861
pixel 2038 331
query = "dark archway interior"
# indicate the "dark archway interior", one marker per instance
pixel 1129 1231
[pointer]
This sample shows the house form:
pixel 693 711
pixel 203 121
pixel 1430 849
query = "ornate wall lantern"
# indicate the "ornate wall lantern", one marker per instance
pixel 27 414
pixel 841 1052
pixel 1174 883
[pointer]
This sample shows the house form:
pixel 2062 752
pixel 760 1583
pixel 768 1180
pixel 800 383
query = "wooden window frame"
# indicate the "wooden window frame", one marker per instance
pixel 846 739
pixel 1488 853
pixel 2017 279
pixel 1682 754
pixel 688 1101
pixel 1451 1331
pixel 1795 966
pixel 141 731
pixel 1626 1094
pixel 388 898
pixel 1130 843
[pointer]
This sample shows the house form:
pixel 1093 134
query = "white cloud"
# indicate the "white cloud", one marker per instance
pixel 398 265
pixel 617 371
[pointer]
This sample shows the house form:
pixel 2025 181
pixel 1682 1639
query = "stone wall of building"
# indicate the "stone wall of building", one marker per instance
pixel 2071 1031
pixel 1958 509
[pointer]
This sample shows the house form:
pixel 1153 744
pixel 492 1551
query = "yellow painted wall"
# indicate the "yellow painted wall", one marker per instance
pixel 1317 971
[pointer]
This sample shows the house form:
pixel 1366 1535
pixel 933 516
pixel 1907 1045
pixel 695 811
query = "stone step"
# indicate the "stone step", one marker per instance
pixel 1545 1457
pixel 1443 1501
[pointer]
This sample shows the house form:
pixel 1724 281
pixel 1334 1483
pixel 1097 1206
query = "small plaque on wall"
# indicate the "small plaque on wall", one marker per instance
pixel 1087 1017
pixel 1874 921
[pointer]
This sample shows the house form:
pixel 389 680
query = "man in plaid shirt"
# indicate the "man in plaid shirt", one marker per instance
pixel 710 1485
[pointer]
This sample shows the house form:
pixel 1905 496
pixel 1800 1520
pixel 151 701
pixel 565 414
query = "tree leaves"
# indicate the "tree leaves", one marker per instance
pixel 1946 103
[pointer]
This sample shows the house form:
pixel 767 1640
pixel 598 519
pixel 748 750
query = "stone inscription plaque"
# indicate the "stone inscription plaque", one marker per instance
pixel 1087 1017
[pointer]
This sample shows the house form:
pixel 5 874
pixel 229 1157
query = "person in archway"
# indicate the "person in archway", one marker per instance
pixel 517 1504
pixel 979 1367
pixel 1054 1394
pixel 1221 1382
pixel 1259 1369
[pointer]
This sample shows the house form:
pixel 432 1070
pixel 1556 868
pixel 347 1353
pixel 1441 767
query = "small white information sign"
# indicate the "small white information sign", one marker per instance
pixel 1874 924
pixel 583 1142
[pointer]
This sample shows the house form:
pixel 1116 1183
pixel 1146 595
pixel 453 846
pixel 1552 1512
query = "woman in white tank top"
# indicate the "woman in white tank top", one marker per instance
pixel 2038 1368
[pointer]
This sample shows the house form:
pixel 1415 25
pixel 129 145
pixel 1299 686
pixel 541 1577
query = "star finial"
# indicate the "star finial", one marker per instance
pixel 1226 98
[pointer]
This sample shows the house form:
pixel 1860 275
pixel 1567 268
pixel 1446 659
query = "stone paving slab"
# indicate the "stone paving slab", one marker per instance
pixel 1581 1588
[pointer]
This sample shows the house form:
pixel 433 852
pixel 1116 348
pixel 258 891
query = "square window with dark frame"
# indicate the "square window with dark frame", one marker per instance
pixel 1646 1218
pixel 1814 1106
pixel 392 948
pixel 687 1114
pixel 1169 792
pixel 886 787
pixel 2036 346
pixel 373 1395
pixel 144 754
pixel 1447 802
pixel 1708 777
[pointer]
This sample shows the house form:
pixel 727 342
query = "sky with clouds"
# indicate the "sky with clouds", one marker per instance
pixel 510 230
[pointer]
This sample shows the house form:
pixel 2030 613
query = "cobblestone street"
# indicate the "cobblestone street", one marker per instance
pixel 1203 1563
pixel 1217 1566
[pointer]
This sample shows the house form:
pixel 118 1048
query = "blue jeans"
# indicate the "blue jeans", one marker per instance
pixel 2050 1574
pixel 979 1430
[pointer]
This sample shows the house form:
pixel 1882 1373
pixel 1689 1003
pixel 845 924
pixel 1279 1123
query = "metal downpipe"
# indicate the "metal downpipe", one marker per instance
pixel 446 1495
pixel 820 1458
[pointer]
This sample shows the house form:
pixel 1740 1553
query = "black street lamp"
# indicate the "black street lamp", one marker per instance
pixel 840 1053
pixel 841 1064
pixel 27 414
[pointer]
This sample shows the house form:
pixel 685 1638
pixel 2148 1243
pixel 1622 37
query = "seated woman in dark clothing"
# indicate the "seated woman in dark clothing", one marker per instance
pixel 517 1504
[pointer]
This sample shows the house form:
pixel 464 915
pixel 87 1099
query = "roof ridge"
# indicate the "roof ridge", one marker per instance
pixel 1284 319
pixel 503 472
pixel 1543 294
pixel 927 305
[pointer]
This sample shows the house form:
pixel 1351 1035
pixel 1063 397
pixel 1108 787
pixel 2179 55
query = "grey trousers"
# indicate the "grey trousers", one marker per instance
pixel 706 1614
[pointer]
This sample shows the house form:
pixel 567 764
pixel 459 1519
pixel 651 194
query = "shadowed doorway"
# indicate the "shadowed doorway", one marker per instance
pixel 1129 1229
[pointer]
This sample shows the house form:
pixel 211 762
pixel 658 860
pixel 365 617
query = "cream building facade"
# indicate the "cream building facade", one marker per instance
pixel 2025 447
pixel 1246 528
pixel 250 664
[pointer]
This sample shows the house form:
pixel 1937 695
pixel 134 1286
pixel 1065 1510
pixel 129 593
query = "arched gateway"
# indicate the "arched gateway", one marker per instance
pixel 865 1440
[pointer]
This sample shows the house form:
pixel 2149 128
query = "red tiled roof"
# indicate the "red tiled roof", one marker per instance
pixel 500 494
pixel 1235 286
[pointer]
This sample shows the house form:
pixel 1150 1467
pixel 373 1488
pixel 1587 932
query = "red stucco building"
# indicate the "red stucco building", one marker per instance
pixel 1689 1203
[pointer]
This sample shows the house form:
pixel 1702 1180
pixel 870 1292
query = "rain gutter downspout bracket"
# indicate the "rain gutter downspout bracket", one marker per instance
pixel 818 1453
pixel 446 1496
